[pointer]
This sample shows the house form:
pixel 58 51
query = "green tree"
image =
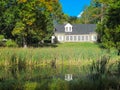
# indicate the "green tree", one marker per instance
pixel 93 13
pixel 73 20
pixel 29 21
pixel 7 17
pixel 57 14
pixel 110 27
pixel 1 40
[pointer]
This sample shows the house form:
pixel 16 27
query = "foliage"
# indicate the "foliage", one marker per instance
pixel 58 16
pixel 29 22
pixel 11 43
pixel 73 20
pixel 99 68
pixel 109 28
pixel 92 14
pixel 58 84
pixel 1 40
pixel 1 37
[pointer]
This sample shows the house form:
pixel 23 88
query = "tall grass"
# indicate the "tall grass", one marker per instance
pixel 45 68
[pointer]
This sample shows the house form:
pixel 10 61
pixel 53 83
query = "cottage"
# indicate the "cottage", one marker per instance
pixel 75 33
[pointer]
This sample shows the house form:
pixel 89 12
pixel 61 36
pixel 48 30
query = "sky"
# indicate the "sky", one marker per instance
pixel 74 7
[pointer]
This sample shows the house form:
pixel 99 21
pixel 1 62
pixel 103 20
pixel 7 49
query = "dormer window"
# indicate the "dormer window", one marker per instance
pixel 68 28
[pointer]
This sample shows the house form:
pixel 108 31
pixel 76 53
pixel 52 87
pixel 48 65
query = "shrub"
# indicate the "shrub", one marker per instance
pixel 1 40
pixel 11 43
pixel 30 86
pixel 58 84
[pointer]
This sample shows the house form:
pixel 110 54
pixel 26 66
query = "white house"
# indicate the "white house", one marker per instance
pixel 75 33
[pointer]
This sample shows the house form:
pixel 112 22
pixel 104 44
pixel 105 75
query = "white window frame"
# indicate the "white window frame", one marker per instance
pixel 60 38
pixel 82 38
pixel 71 38
pixel 87 38
pixel 67 37
pixel 79 38
pixel 75 38
pixel 68 29
pixel 94 38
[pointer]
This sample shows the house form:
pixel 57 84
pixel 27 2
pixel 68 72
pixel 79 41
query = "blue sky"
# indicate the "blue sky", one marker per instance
pixel 73 7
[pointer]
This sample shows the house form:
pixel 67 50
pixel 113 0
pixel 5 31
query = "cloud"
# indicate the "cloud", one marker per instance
pixel 80 14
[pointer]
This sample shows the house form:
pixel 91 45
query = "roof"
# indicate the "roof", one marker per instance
pixel 76 29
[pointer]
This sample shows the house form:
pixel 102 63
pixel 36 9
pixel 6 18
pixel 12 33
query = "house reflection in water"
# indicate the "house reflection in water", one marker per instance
pixel 68 77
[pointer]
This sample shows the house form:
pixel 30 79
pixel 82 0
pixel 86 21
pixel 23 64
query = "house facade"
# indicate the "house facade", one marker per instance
pixel 75 33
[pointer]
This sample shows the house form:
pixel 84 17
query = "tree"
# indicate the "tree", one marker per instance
pixel 35 19
pixel 58 16
pixel 29 21
pixel 73 20
pixel 7 17
pixel 110 27
pixel 93 13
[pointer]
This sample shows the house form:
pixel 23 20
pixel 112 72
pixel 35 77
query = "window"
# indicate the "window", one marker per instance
pixel 68 28
pixel 86 38
pixel 71 38
pixel 67 38
pixel 82 38
pixel 79 38
pixel 60 38
pixel 75 38
pixel 94 38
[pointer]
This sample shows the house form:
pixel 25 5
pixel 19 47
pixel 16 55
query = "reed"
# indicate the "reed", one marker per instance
pixel 44 68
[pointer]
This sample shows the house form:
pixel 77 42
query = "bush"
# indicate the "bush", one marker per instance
pixel 58 84
pixel 30 86
pixel 11 43
pixel 1 40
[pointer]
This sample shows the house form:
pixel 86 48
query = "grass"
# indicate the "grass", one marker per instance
pixel 43 67
pixel 66 51
pixel 68 57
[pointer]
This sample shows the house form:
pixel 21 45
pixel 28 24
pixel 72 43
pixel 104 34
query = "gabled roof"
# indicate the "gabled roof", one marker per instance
pixel 68 25
pixel 76 29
